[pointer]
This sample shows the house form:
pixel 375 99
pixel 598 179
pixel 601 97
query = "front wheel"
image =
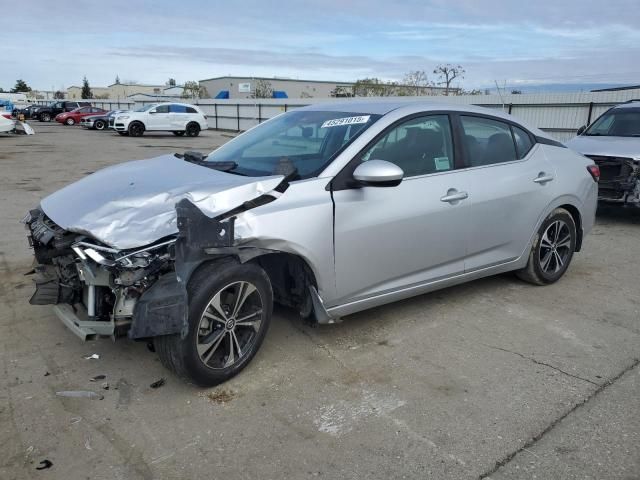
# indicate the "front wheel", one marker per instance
pixel 45 117
pixel 100 125
pixel 552 249
pixel 230 307
pixel 136 129
pixel 70 121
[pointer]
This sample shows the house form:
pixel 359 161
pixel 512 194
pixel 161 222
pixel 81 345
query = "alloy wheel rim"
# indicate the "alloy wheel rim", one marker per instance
pixel 555 247
pixel 229 325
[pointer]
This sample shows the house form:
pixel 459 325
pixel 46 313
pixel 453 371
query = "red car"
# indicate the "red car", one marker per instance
pixel 74 116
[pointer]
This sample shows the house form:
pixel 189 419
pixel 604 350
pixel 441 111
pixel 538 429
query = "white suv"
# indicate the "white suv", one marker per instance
pixel 179 118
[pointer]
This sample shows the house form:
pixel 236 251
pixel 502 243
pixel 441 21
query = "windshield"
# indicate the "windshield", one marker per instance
pixel 621 122
pixel 145 107
pixel 300 142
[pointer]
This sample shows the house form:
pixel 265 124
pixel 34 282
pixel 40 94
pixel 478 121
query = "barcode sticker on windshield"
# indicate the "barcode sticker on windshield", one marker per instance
pixel 336 122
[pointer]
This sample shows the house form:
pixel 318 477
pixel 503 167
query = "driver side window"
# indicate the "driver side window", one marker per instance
pixel 162 109
pixel 419 146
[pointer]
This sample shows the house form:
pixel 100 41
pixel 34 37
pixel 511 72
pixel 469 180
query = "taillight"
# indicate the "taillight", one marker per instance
pixel 594 170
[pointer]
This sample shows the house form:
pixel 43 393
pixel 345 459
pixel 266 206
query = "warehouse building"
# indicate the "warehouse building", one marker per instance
pixel 244 87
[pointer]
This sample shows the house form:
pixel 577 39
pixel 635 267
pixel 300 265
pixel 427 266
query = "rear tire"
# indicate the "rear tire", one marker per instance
pixel 218 346
pixel 552 249
pixel 193 129
pixel 45 117
pixel 136 129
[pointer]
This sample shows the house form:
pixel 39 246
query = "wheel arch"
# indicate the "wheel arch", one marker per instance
pixel 577 218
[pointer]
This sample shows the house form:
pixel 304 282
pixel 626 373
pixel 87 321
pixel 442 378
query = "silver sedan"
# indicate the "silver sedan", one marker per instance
pixel 330 209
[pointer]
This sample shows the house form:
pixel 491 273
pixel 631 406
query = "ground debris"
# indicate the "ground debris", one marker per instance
pixel 94 356
pixel 44 464
pixel 158 383
pixel 97 377
pixel 80 394
pixel 219 396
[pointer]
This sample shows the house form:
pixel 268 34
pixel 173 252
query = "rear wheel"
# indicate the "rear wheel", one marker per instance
pixel 230 307
pixel 70 121
pixel 193 129
pixel 178 134
pixel 552 249
pixel 136 129
pixel 100 124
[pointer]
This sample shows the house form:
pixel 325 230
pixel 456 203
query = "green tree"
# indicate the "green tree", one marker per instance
pixel 20 86
pixel 58 95
pixel 373 87
pixel 86 89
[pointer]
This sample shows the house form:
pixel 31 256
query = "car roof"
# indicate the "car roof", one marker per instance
pixel 630 104
pixel 384 106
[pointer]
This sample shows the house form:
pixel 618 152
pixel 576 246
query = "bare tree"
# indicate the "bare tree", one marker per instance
pixel 262 89
pixel 447 73
pixel 416 83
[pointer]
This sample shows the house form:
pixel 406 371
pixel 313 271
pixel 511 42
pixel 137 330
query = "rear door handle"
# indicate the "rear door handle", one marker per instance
pixel 453 196
pixel 543 178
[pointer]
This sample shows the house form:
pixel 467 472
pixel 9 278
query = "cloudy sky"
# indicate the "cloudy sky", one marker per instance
pixel 54 44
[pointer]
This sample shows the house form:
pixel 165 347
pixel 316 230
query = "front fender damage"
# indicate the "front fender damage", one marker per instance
pixel 163 308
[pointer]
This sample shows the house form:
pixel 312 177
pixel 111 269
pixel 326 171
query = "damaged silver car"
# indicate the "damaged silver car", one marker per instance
pixel 329 209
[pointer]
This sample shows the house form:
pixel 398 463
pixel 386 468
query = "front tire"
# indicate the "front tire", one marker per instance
pixel 45 117
pixel 193 129
pixel 230 307
pixel 99 125
pixel 70 121
pixel 136 129
pixel 552 250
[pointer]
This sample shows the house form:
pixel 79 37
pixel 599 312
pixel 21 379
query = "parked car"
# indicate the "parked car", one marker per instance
pixel 178 118
pixel 329 209
pixel 74 116
pixel 99 122
pixel 7 122
pixel 613 143
pixel 27 111
pixel 48 112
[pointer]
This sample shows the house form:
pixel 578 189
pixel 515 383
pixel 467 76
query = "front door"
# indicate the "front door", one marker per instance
pixel 390 238
pixel 159 118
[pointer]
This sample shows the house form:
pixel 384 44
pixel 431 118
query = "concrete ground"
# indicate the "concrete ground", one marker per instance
pixel 492 379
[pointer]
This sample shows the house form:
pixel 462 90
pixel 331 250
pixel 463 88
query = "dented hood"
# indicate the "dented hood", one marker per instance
pixel 606 146
pixel 133 204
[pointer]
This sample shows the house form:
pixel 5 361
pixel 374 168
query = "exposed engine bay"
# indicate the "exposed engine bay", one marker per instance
pixel 619 179
pixel 100 283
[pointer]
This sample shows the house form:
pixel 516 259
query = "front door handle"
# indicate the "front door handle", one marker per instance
pixel 454 196
pixel 543 178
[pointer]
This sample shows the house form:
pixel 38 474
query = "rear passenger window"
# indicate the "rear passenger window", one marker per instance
pixel 523 141
pixel 177 108
pixel 488 141
pixel 191 110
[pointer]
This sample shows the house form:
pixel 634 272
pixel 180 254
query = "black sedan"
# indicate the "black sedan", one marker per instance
pixel 98 122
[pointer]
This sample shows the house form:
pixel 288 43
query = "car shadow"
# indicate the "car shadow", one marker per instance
pixel 614 214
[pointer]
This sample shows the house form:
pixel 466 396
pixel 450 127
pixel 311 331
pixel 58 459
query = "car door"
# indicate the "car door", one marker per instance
pixel 387 239
pixel 178 116
pixel 159 118
pixel 510 183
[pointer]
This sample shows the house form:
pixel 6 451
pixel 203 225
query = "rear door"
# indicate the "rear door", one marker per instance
pixel 510 183
pixel 178 116
pixel 393 238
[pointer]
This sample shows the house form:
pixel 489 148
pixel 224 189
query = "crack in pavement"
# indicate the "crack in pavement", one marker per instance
pixel 538 362
pixel 533 440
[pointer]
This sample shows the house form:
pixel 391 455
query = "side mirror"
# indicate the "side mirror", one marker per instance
pixel 152 111
pixel 581 130
pixel 378 173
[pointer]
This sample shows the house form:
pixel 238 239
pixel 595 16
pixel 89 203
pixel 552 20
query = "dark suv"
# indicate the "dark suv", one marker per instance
pixel 48 112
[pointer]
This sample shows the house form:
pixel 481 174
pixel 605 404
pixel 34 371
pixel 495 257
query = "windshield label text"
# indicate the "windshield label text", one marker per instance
pixel 336 122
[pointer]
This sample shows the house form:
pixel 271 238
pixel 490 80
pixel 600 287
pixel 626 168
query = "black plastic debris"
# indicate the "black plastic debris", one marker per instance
pixel 158 383
pixel 97 377
pixel 46 374
pixel 44 464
